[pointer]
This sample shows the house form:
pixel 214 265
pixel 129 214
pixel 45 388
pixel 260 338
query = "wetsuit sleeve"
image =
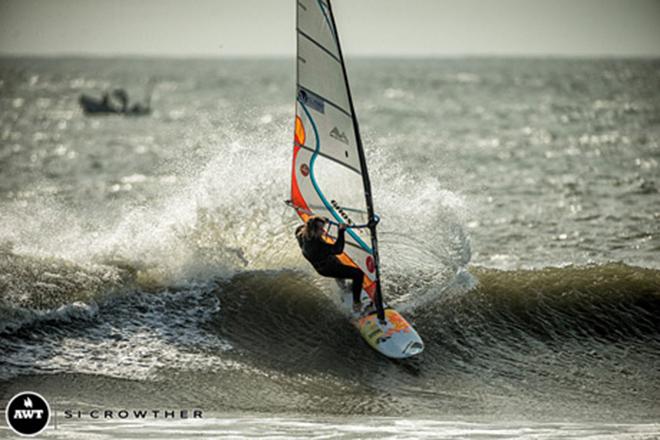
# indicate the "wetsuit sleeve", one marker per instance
pixel 338 247
pixel 298 237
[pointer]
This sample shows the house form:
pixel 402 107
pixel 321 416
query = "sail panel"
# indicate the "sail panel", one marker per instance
pixel 321 74
pixel 336 132
pixel 314 22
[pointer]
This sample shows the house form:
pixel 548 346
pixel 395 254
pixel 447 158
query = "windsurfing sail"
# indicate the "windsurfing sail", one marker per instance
pixel 329 176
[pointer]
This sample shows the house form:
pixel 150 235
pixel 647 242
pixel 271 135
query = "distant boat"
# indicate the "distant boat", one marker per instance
pixel 115 103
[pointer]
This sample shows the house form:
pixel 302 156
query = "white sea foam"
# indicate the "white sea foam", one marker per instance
pixel 291 427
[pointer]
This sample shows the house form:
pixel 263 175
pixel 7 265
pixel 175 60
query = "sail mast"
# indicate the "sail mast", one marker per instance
pixel 365 173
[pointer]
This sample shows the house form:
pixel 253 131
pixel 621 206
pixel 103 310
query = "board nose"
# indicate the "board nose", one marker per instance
pixel 413 348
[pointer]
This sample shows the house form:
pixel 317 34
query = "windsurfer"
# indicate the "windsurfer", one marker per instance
pixel 322 255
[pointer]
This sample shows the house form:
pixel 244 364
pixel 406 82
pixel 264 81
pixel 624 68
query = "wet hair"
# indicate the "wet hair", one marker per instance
pixel 308 229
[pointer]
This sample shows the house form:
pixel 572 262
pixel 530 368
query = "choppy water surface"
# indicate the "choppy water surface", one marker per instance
pixel 150 261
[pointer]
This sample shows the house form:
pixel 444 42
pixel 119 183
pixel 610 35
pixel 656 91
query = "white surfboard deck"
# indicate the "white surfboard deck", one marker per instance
pixel 395 338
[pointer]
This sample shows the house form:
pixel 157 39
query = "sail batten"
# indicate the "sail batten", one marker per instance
pixel 320 46
pixel 355 170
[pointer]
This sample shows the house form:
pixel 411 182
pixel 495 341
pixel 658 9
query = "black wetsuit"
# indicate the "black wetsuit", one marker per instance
pixel 322 257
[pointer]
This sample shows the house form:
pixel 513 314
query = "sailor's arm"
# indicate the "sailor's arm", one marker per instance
pixel 298 236
pixel 338 246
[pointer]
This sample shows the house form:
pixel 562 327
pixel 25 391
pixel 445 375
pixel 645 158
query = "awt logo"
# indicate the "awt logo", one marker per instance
pixel 27 413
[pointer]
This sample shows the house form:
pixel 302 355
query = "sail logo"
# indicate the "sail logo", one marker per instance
pixel 27 413
pixel 339 135
pixel 341 212
pixel 371 264
pixel 311 100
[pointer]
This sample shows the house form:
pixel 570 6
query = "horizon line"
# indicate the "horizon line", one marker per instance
pixel 119 55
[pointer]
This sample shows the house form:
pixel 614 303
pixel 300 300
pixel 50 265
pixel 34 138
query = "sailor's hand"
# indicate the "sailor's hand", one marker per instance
pixel 342 226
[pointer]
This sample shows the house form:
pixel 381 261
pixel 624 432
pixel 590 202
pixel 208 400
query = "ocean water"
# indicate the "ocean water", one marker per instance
pixel 149 262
